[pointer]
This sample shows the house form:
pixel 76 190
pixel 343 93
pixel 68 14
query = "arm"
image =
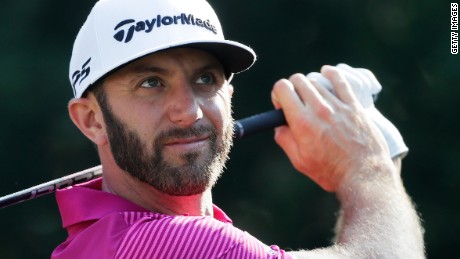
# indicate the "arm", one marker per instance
pixel 332 141
pixel 374 224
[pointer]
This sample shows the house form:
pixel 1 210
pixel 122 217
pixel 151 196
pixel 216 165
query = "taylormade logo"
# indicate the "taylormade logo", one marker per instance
pixel 128 27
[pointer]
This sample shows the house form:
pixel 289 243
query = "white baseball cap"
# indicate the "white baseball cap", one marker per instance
pixel 119 31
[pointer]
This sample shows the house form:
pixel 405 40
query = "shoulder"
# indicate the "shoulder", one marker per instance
pixel 94 238
pixel 176 237
pixel 187 237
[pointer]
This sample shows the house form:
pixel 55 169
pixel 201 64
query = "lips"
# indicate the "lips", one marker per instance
pixel 190 142
pixel 183 141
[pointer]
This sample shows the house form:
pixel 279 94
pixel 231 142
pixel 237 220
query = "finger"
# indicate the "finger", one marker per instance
pixel 320 79
pixel 341 86
pixel 326 94
pixel 275 101
pixel 284 95
pixel 307 91
pixel 354 78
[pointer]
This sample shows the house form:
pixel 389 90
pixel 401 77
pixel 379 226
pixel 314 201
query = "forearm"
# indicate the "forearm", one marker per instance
pixel 377 218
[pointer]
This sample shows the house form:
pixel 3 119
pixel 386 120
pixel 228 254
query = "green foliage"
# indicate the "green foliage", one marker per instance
pixel 405 43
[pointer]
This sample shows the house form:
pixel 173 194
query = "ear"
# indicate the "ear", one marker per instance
pixel 87 116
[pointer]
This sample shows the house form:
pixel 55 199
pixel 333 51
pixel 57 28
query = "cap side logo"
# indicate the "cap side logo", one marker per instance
pixel 79 75
pixel 125 34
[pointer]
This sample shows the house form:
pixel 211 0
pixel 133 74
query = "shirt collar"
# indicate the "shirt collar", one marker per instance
pixel 86 202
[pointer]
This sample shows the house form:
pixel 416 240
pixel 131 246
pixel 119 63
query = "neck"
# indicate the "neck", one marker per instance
pixel 119 183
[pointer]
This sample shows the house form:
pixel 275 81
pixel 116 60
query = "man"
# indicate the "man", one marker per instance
pixel 151 84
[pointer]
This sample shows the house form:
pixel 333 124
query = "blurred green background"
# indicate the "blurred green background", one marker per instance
pixel 406 43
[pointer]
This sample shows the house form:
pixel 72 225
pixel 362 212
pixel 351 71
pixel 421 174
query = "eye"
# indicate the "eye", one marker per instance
pixel 206 78
pixel 151 83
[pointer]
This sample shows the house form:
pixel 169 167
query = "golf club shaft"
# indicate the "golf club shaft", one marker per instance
pixel 243 128
pixel 51 186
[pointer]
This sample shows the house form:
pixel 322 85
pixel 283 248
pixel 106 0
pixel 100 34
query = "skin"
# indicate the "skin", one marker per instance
pixel 328 139
pixel 331 141
pixel 177 99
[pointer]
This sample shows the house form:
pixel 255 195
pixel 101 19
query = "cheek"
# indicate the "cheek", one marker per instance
pixel 149 119
pixel 225 104
pixel 218 110
pixel 138 117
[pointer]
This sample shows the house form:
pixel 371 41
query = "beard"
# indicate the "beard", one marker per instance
pixel 199 170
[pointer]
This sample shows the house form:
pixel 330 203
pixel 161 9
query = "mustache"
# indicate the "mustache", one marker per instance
pixel 194 131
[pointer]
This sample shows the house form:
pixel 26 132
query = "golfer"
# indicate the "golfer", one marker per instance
pixel 151 81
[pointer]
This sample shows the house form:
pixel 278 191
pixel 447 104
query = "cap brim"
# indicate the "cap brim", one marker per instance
pixel 234 56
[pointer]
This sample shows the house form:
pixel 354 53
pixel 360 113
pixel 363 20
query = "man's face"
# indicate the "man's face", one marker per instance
pixel 168 120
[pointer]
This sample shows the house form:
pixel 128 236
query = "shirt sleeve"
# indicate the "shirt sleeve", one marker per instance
pixel 191 237
pixel 250 247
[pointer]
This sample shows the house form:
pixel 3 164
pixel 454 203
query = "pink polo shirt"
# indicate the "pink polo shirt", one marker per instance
pixel 103 225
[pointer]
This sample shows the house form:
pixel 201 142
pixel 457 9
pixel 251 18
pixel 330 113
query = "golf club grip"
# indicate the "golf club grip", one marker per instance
pixel 259 122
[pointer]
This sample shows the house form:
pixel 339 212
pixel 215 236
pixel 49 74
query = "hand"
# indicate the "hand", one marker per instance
pixel 366 87
pixel 329 136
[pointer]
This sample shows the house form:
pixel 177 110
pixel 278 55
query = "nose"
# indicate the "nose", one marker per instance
pixel 183 106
